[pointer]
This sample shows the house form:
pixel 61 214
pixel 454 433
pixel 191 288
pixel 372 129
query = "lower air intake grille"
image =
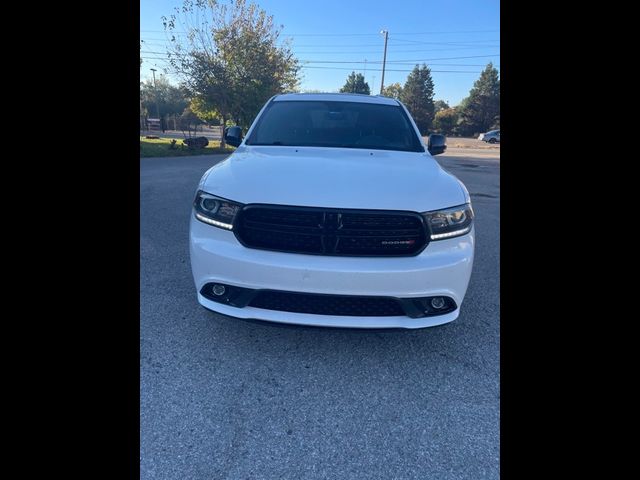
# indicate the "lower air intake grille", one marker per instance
pixel 341 305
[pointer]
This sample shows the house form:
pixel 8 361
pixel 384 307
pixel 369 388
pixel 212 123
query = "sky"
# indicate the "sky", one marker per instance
pixel 455 38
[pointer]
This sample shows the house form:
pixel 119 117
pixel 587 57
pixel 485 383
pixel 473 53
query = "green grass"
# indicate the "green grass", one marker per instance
pixel 160 148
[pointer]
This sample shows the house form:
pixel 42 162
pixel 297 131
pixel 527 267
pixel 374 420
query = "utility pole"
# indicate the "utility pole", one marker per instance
pixel 365 70
pixel 155 90
pixel 384 60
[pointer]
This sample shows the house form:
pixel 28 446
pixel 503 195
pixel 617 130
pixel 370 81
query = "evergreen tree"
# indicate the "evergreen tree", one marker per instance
pixel 417 95
pixel 355 84
pixel 480 111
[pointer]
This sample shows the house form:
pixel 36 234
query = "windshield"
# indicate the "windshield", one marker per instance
pixel 335 124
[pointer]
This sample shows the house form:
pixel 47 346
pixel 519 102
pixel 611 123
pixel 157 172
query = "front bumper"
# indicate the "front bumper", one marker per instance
pixel 443 268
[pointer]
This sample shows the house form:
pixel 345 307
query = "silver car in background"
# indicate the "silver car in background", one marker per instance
pixel 491 137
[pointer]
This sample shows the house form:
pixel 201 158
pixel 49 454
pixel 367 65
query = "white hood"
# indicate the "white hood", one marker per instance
pixel 334 177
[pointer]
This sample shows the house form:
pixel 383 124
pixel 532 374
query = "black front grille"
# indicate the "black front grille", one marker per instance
pixel 331 231
pixel 341 305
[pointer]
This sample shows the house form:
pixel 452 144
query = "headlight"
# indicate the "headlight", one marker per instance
pixel 214 210
pixel 449 223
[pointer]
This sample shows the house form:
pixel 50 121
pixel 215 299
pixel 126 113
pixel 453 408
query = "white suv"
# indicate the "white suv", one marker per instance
pixel 332 212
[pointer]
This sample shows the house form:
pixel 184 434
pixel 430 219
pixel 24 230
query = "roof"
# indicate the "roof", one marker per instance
pixel 335 97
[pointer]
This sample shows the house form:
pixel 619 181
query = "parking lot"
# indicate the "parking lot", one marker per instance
pixel 227 399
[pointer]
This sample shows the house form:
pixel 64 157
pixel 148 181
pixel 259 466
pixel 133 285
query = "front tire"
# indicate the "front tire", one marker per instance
pixel 492 140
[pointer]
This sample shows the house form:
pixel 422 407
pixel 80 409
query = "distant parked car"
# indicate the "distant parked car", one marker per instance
pixel 491 137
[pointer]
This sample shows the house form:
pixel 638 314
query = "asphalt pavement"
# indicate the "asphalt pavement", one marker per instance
pixel 227 399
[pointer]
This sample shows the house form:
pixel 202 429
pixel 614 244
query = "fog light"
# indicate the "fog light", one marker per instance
pixel 436 302
pixel 218 289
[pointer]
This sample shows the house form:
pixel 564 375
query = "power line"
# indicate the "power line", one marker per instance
pixel 330 35
pixel 380 69
pixel 445 32
pixel 342 52
pixel 369 62
pixel 305 52
pixel 393 39
pixel 459 44
pixel 357 61
pixel 375 34
pixel 329 49
pixel 364 45
pixel 324 45
pixel 367 52
pixel 180 33
pixel 356 45
pixel 392 70
pixel 342 34
pixel 393 61
pixel 398 61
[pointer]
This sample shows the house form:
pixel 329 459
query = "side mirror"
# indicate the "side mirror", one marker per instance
pixel 233 136
pixel 436 144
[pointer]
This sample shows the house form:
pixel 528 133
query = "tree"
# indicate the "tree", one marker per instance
pixel 417 95
pixel 393 91
pixel 355 84
pixel 172 100
pixel 188 122
pixel 201 110
pixel 440 105
pixel 229 58
pixel 446 120
pixel 462 129
pixel 480 111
